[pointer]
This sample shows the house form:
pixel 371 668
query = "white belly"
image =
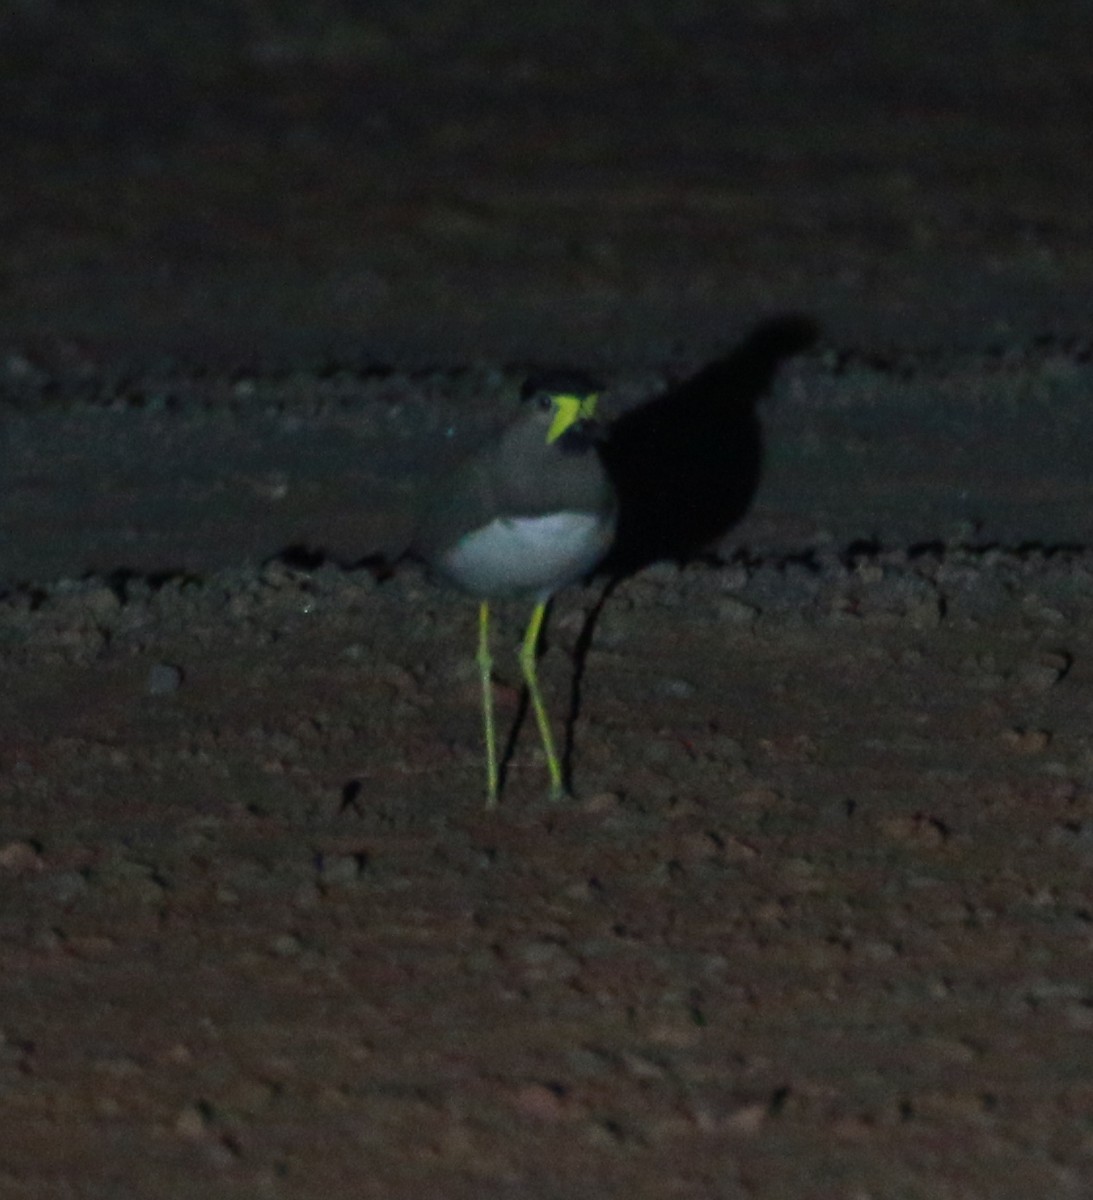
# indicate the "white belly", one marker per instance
pixel 512 556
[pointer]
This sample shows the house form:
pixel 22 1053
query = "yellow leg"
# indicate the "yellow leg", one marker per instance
pixel 485 667
pixel 527 665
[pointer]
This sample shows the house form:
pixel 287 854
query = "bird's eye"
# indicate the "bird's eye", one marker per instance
pixel 544 402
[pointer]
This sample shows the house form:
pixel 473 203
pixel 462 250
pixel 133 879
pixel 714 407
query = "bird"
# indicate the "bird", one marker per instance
pixel 526 514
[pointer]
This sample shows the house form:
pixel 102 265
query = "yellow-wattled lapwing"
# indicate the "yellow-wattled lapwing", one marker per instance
pixel 523 516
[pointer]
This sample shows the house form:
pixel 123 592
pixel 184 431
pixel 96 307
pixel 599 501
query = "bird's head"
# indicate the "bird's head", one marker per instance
pixel 567 400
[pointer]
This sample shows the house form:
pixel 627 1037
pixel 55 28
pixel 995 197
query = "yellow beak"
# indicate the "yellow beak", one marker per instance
pixel 568 410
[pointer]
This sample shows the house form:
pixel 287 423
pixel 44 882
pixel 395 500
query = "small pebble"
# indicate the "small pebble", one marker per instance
pixel 101 603
pixel 192 1122
pixel 342 869
pixel 736 612
pixel 19 857
pixel 1027 741
pixel 163 680
pixel 540 1101
pixel 286 945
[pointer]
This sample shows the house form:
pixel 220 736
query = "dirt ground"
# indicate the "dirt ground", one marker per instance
pixel 817 920
pixel 816 923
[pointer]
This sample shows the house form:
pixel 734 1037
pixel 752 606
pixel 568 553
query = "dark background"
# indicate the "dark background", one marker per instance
pixel 372 218
pixel 442 182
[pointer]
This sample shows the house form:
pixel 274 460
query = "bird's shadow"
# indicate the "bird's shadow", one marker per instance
pixel 685 467
pixel 686 464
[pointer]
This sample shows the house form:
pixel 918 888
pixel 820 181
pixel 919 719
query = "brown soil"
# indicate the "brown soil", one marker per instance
pixel 817 922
